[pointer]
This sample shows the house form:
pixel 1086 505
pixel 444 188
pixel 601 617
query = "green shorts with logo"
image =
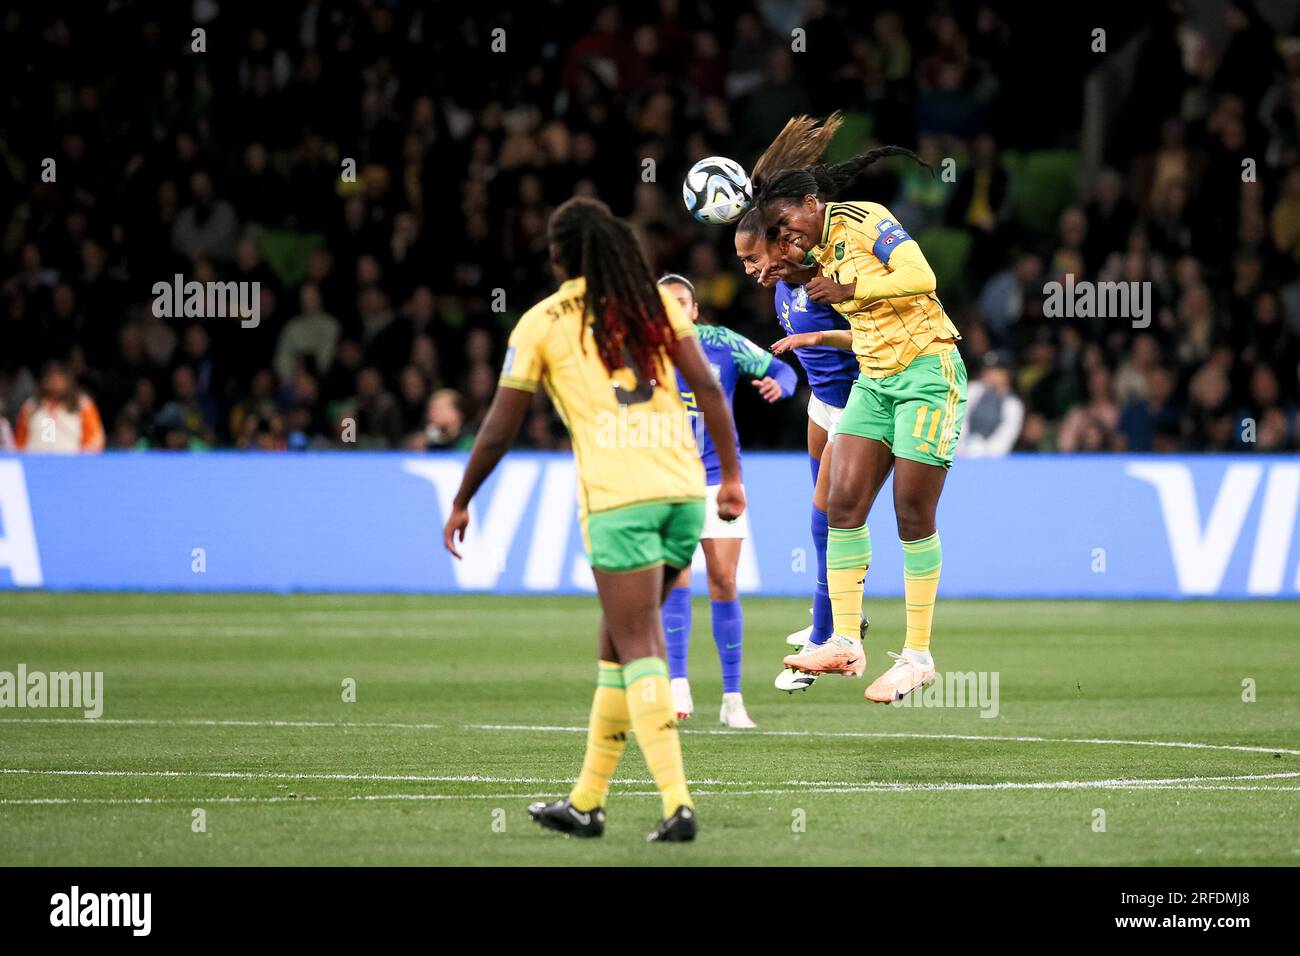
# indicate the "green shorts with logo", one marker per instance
pixel 644 535
pixel 918 412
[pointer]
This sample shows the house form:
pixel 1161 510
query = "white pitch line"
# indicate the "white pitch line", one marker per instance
pixel 367 777
pixel 551 728
pixel 1101 741
pixel 789 786
pixel 185 722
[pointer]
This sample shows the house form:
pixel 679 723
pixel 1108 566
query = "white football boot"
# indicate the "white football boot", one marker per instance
pixel 733 713
pixel 791 681
pixel 799 638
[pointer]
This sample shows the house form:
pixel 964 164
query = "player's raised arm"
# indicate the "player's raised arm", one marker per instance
pixel 774 379
pixel 690 361
pixel 831 338
pixel 909 274
pixel 500 426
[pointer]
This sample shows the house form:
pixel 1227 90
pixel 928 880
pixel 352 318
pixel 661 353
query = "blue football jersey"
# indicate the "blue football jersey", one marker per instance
pixel 731 356
pixel 831 371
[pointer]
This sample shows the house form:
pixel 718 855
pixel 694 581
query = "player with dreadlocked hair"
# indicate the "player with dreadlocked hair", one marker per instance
pixel 831 371
pixel 904 411
pixel 607 346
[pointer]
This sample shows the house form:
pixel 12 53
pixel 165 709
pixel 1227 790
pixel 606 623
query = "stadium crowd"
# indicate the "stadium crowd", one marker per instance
pixel 385 298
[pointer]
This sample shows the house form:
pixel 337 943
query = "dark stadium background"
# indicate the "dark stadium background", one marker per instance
pixel 225 164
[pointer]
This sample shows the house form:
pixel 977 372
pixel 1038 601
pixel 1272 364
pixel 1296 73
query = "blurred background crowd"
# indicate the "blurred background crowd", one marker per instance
pixel 1169 155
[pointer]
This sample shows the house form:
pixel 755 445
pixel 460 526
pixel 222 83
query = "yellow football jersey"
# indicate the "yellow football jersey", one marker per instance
pixel 895 313
pixel 633 440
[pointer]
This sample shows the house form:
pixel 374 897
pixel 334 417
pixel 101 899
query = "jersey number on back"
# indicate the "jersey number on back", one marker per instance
pixel 642 390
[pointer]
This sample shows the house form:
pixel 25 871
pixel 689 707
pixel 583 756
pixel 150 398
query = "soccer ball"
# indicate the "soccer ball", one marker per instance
pixel 717 190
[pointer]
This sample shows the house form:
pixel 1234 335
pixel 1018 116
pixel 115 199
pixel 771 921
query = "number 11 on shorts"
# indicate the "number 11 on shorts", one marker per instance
pixel 920 422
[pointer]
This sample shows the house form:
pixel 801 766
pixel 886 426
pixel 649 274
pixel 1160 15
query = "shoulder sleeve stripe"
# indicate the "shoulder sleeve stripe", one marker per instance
pixel 520 384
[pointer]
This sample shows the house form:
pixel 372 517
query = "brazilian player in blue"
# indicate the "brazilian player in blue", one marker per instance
pixel 831 372
pixel 732 357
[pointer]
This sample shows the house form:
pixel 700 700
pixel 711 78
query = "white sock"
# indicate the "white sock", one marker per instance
pixel 844 639
pixel 733 698
pixel 918 657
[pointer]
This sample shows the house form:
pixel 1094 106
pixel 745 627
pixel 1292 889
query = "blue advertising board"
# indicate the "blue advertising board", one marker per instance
pixel 1109 526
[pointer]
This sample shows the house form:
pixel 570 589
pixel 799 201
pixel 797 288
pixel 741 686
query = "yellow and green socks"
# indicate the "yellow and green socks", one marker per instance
pixel 848 555
pixel 606 738
pixel 922 561
pixel 650 704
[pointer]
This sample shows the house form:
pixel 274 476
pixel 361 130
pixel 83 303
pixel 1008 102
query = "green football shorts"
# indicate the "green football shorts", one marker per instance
pixel 644 535
pixel 918 412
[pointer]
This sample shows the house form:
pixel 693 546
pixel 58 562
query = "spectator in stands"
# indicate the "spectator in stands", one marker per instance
pixel 378 417
pixel 445 422
pixel 455 180
pixel 208 226
pixel 61 419
pixel 1098 413
pixel 312 332
pixel 1002 300
pixel 994 413
pixel 1145 421
pixel 982 204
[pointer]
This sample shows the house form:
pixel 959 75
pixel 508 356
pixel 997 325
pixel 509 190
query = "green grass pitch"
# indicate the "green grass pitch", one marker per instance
pixel 467 707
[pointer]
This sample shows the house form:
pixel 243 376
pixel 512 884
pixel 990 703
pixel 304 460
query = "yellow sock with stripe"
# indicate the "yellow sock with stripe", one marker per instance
pixel 848 555
pixel 606 738
pixel 922 561
pixel 650 704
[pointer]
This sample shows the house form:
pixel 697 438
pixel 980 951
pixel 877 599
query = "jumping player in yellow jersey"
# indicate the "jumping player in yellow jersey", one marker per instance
pixel 904 412
pixel 607 346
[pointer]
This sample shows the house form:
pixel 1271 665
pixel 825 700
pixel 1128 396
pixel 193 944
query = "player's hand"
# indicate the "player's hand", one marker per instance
pixel 800 340
pixel 454 530
pixel 797 271
pixel 731 500
pixel 768 389
pixel 827 291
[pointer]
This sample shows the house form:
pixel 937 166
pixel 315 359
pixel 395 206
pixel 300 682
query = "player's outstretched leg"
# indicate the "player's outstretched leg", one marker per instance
pixel 922 562
pixel 848 556
pixel 917 487
pixel 859 468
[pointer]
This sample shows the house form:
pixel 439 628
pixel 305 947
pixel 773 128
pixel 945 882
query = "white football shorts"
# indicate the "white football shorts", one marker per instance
pixel 715 527
pixel 827 416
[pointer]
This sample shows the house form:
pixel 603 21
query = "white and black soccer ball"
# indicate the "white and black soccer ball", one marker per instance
pixel 717 190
